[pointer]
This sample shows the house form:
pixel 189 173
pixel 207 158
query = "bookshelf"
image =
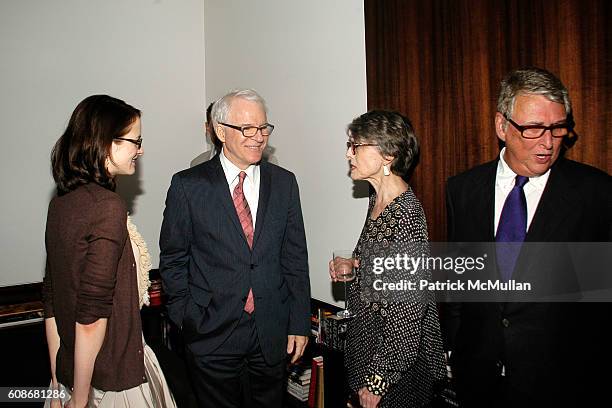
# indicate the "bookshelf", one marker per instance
pixel 327 342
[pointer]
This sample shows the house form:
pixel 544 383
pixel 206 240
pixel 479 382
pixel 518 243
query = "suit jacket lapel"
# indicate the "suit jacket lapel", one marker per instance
pixel 264 196
pixel 554 207
pixel 486 207
pixel 484 204
pixel 222 191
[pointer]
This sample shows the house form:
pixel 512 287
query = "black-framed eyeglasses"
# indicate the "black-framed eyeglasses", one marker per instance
pixel 137 142
pixel 250 131
pixel 352 145
pixel 537 131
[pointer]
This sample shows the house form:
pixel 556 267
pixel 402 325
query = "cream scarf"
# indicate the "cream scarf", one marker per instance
pixel 143 262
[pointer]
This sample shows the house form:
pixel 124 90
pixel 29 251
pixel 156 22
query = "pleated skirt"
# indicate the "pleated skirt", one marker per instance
pixel 152 394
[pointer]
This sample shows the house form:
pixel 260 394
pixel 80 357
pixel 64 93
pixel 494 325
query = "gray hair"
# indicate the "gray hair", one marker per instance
pixel 394 135
pixel 221 108
pixel 531 81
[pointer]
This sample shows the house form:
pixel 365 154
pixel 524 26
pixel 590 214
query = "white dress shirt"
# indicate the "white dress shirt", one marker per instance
pixel 504 182
pixel 250 186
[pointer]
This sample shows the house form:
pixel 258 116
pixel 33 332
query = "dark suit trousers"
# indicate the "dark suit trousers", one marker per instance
pixel 521 390
pixel 236 375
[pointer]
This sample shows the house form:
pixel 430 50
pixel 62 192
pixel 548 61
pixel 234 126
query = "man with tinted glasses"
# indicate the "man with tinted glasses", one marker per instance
pixel 529 354
pixel 234 263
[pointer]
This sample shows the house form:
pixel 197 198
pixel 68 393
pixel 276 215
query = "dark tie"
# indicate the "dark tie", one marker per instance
pixel 512 228
pixel 246 221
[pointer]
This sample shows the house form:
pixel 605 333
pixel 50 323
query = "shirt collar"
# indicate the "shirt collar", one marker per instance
pixel 232 171
pixel 506 176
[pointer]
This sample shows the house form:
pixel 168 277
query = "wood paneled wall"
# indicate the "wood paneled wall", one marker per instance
pixel 440 63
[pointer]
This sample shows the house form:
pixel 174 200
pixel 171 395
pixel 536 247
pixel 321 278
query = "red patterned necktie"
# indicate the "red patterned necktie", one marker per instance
pixel 246 220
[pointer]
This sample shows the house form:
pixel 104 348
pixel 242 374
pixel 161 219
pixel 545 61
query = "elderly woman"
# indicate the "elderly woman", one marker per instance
pixel 393 351
pixel 97 266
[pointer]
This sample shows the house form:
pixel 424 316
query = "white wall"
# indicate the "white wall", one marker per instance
pixel 55 53
pixel 307 59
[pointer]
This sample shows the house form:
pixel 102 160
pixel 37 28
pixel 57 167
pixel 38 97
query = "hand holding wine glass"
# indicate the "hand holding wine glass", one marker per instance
pixel 336 273
pixel 342 269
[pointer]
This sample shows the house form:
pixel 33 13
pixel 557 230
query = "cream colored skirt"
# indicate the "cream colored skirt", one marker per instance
pixel 152 394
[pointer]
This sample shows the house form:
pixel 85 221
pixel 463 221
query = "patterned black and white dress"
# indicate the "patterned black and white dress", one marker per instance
pixel 394 334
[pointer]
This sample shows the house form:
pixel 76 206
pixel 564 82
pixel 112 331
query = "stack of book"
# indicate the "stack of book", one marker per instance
pixel 298 381
pixel 315 325
pixel 155 290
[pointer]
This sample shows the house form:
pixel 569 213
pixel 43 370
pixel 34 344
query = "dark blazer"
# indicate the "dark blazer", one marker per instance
pixel 207 266
pixel 541 345
pixel 91 274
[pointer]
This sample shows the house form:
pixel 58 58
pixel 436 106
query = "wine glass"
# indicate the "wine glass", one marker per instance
pixel 344 266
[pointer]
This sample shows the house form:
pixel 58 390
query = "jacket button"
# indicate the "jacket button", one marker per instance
pixel 139 351
pixel 505 322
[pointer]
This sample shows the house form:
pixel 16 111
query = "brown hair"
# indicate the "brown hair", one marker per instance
pixel 79 155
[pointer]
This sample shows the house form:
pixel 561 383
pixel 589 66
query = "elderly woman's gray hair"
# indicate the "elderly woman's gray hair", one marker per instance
pixel 394 135
pixel 531 81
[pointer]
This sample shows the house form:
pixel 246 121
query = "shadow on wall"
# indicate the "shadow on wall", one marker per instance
pixel 361 189
pixel 127 187
pixel 130 187
pixel 52 194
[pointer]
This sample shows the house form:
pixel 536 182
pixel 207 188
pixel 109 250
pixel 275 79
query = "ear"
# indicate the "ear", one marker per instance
pixel 109 164
pixel 220 133
pixel 500 122
pixel 388 160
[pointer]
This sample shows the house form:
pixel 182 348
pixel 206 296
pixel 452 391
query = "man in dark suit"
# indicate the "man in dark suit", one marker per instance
pixel 529 354
pixel 234 263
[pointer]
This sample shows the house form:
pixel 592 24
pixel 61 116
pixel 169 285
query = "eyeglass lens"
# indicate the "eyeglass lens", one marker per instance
pixel 250 131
